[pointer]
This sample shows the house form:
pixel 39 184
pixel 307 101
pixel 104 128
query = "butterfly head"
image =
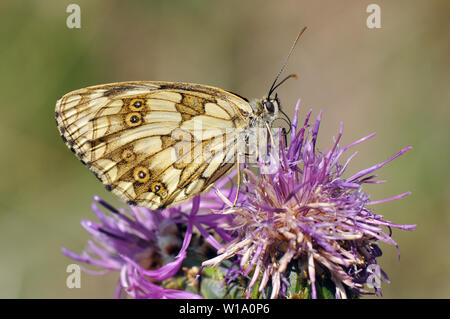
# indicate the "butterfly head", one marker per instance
pixel 265 110
pixel 272 111
pixel 270 108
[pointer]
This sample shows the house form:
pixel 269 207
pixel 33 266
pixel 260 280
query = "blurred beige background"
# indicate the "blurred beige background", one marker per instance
pixel 393 80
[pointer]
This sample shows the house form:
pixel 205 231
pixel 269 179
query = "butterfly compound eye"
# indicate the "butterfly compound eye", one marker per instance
pixel 269 106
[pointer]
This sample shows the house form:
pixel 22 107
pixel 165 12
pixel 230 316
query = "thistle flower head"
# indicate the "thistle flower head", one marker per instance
pixel 299 217
pixel 301 211
pixel 148 247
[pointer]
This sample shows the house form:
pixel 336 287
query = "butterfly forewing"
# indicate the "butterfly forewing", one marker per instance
pixel 153 144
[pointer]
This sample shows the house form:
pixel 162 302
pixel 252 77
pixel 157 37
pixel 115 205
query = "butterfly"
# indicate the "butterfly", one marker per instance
pixel 155 144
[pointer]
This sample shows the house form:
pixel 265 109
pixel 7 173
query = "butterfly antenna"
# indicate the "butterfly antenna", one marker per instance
pixel 274 85
pixel 286 119
pixel 284 80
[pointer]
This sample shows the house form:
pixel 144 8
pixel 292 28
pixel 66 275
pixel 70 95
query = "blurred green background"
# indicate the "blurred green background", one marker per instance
pixel 394 80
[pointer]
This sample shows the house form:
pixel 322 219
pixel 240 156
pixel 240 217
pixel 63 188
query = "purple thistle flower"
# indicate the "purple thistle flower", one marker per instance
pixel 146 246
pixel 301 209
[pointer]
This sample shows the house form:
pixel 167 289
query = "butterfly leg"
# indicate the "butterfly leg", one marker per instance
pixel 238 182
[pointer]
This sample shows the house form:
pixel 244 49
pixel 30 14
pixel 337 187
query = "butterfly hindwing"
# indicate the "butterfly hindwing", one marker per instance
pixel 153 143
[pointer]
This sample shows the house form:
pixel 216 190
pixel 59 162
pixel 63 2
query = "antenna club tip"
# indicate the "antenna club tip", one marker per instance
pixel 299 35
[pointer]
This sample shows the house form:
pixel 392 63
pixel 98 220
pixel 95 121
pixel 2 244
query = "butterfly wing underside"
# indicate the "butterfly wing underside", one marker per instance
pixel 153 144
